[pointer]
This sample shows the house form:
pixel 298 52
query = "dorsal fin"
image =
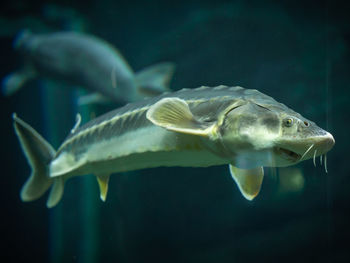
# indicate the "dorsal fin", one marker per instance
pixel 155 79
pixel 77 123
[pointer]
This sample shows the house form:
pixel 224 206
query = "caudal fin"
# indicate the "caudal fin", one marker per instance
pixel 39 154
pixel 155 79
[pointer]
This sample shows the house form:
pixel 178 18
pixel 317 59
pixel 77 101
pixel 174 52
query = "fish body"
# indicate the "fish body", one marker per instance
pixel 85 61
pixel 191 128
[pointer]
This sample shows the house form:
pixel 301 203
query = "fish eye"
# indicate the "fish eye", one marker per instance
pixel 288 122
pixel 306 124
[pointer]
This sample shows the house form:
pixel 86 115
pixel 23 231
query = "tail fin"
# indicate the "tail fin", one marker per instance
pixel 39 154
pixel 155 79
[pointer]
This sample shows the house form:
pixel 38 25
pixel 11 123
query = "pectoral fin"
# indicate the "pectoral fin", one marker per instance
pixel 103 180
pixel 174 114
pixel 248 180
pixel 16 80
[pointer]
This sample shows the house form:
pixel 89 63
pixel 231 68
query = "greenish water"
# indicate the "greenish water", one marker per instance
pixel 296 52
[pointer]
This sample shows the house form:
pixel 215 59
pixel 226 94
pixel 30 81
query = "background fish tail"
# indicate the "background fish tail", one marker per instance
pixel 39 154
pixel 155 79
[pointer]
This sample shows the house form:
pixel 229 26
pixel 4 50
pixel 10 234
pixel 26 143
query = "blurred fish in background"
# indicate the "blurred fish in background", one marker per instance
pixel 85 61
pixel 295 51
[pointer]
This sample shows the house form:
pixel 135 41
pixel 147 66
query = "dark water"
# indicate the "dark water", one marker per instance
pixel 296 52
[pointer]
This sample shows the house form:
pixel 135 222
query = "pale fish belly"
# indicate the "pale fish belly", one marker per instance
pixel 146 147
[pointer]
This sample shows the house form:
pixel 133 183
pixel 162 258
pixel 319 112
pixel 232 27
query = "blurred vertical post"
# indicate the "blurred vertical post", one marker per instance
pixel 78 206
pixel 54 109
pixel 89 203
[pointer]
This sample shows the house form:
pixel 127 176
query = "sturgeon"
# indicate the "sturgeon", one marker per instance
pixel 201 127
pixel 85 61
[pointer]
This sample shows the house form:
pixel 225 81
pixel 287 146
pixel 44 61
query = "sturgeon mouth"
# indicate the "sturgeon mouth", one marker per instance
pixel 287 154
